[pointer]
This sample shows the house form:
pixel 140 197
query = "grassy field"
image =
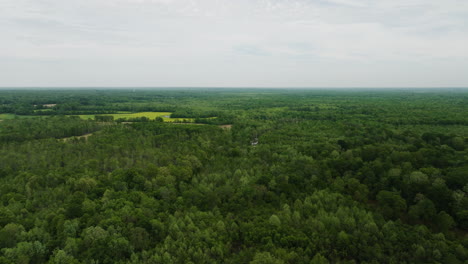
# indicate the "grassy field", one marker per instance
pixel 150 115
pixel 122 114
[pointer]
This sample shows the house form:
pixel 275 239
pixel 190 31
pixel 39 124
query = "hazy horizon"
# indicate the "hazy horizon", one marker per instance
pixel 301 44
pixel 136 88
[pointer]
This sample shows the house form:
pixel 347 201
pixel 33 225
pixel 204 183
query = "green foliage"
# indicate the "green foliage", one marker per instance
pixel 391 204
pixel 265 258
pixel 274 221
pixel 40 128
pixel 104 118
pixel 319 259
pixel 333 177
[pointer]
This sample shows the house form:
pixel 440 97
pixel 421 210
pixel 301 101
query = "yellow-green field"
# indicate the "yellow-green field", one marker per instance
pixel 121 114
pixel 150 115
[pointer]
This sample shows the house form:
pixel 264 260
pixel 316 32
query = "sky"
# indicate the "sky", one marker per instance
pixel 234 43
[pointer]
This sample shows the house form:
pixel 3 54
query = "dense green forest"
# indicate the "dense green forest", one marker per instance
pixel 261 176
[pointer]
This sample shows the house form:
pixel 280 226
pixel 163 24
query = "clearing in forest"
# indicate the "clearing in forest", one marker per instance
pixel 85 136
pixel 151 115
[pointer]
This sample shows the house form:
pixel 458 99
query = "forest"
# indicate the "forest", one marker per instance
pixel 256 176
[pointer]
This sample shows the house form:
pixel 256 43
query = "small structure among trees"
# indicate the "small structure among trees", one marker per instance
pixel 255 141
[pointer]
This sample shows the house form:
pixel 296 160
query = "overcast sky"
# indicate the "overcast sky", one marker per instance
pixel 235 43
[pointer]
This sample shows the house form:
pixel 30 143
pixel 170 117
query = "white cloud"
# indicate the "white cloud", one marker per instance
pixel 231 43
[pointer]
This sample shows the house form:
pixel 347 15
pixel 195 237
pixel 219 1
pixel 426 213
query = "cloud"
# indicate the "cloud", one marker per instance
pixel 235 39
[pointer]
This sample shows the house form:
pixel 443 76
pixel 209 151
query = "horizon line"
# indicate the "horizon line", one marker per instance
pixel 232 87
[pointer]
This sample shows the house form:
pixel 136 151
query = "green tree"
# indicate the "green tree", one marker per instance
pixel 265 258
pixel 391 204
pixel 444 221
pixel 275 221
pixel 319 259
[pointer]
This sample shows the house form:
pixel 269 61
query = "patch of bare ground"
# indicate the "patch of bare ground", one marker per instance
pixel 226 127
pixel 85 136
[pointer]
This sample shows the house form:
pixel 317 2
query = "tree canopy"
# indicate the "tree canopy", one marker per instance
pixel 334 176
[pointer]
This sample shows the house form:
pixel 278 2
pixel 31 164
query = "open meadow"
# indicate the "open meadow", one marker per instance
pixel 127 116
pixel 150 115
